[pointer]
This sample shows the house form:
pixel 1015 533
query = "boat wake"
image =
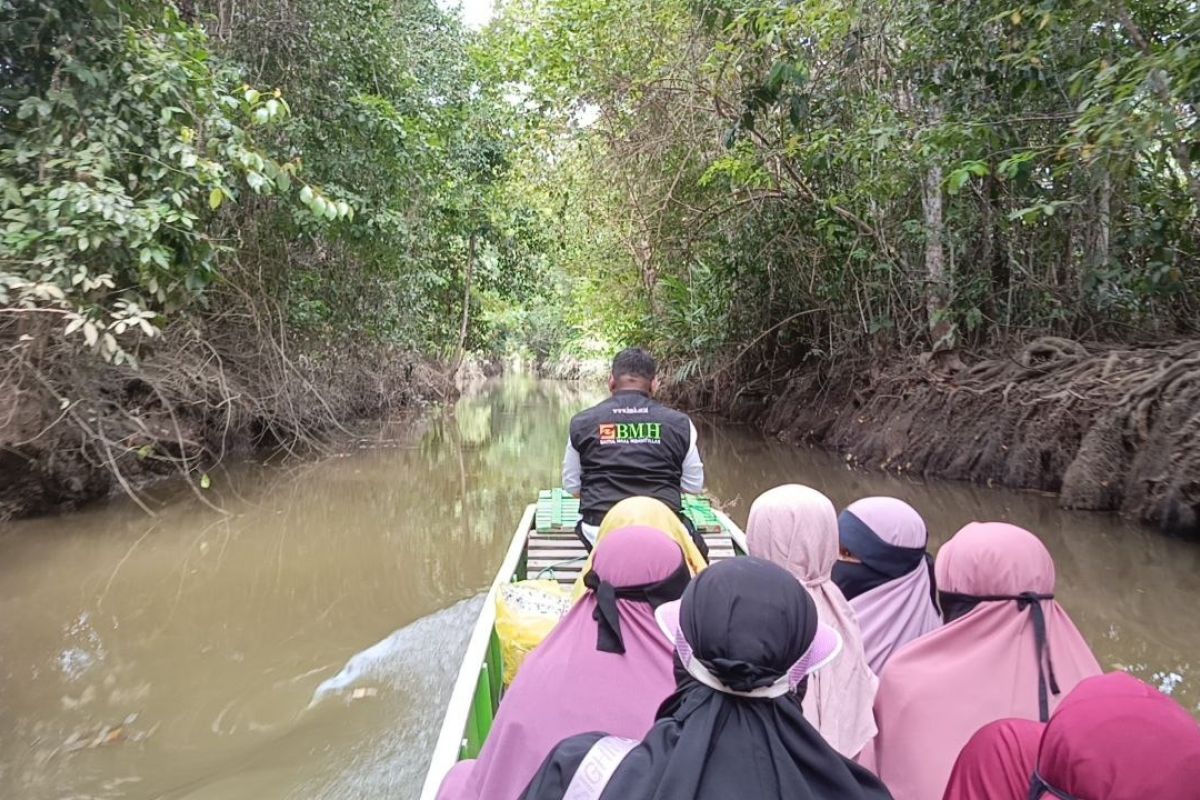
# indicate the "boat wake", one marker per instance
pixel 415 652
pixel 413 670
pixel 380 714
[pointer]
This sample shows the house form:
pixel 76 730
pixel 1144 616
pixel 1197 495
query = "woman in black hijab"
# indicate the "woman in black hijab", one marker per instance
pixel 746 637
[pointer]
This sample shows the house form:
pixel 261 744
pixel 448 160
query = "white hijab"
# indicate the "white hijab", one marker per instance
pixel 796 527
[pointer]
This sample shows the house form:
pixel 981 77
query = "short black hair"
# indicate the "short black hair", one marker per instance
pixel 636 362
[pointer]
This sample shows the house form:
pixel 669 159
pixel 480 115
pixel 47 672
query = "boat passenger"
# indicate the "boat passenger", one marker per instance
pixel 886 573
pixel 797 528
pixel 1008 649
pixel 747 637
pixel 651 513
pixel 1113 737
pixel 607 664
pixel 630 445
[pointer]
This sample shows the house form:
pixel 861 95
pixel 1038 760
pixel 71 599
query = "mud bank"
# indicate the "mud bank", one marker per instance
pixel 74 429
pixel 1107 428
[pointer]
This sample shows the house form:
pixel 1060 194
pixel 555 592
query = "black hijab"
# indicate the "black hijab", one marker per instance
pixel 881 562
pixel 748 621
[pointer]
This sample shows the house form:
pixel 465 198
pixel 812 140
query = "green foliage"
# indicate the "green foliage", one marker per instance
pixel 337 158
pixel 124 136
pixel 819 178
pixel 717 179
pixel 391 116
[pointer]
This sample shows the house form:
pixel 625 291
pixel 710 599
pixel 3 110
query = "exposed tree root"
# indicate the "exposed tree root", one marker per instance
pixel 1109 428
pixel 73 428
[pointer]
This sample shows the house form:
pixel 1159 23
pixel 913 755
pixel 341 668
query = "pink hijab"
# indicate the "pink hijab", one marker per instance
pixel 939 689
pixel 1113 737
pixel 902 609
pixel 796 527
pixel 566 686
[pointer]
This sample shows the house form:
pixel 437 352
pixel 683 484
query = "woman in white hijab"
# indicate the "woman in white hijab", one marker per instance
pixel 796 527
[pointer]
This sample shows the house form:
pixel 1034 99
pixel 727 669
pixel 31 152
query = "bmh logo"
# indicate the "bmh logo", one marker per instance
pixel 631 433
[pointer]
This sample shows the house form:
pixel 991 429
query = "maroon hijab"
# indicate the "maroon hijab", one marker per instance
pixel 1112 738
pixel 1118 739
pixel 997 762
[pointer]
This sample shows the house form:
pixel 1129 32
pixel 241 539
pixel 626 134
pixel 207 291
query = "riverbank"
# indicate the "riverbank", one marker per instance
pixel 74 428
pixel 1112 428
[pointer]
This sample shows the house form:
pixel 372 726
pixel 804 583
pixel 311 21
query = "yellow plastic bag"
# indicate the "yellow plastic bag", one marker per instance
pixel 526 612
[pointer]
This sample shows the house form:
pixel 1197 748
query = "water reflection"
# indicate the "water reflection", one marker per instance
pixel 178 656
pixel 214 629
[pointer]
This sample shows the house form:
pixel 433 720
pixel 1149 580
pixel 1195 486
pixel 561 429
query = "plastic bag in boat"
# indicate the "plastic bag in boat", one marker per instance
pixel 526 612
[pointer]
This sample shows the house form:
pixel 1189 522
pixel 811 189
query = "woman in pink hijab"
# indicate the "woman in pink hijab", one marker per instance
pixel 796 527
pixel 886 574
pixel 1113 737
pixel 606 666
pixel 1008 649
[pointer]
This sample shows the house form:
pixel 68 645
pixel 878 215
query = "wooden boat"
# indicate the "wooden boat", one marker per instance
pixel 544 545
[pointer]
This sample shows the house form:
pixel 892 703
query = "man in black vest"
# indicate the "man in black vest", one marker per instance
pixel 629 445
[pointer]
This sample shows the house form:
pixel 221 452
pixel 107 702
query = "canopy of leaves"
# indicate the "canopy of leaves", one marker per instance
pixel 333 156
pixel 771 178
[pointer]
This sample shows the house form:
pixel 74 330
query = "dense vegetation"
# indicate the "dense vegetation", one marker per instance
pixel 341 158
pixel 228 223
pixel 246 220
pixel 820 179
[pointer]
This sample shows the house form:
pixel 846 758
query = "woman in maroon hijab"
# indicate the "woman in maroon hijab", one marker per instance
pixel 1112 738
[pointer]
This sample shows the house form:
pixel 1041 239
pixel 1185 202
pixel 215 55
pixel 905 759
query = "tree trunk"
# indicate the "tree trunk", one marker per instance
pixel 935 257
pixel 1103 222
pixel 466 305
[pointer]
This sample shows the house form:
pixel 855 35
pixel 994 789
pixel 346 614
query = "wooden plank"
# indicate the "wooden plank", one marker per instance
pixel 557 564
pixel 555 556
pixel 735 533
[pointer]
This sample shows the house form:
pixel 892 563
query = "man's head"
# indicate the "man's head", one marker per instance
pixel 634 369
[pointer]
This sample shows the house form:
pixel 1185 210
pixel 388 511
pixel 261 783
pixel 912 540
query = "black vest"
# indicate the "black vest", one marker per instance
pixel 629 445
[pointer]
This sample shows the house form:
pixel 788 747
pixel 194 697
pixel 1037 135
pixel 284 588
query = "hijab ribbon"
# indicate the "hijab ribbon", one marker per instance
pixel 955 605
pixel 1039 787
pixel 607 616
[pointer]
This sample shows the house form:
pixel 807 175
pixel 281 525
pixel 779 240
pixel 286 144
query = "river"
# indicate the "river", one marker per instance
pixel 292 632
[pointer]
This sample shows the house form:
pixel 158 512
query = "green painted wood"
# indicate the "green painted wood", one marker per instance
pixel 558 511
pixel 482 713
pixel 495 665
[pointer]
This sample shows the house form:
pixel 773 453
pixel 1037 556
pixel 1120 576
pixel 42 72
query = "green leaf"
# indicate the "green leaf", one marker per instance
pixel 215 197
pixel 205 481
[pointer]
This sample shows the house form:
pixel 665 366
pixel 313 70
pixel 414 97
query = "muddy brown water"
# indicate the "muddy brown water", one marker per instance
pixel 301 642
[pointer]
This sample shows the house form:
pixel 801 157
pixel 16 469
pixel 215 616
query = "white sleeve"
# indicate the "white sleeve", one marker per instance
pixel 692 481
pixel 571 470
